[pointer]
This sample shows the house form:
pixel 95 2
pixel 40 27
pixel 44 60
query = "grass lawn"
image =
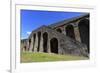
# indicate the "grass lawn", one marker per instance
pixel 27 57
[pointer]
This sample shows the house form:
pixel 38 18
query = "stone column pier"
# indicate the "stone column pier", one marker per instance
pixel 63 30
pixel 27 45
pixel 59 47
pixel 48 45
pixel 36 44
pixel 76 31
pixel 41 44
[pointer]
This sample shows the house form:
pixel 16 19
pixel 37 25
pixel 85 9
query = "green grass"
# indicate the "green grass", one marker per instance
pixel 27 57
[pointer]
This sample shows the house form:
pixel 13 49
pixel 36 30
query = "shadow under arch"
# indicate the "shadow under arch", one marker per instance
pixel 34 39
pixel 70 31
pixel 84 32
pixel 59 30
pixel 54 45
pixel 45 41
pixel 39 39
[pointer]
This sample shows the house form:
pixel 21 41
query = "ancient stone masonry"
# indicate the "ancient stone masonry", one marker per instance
pixel 70 36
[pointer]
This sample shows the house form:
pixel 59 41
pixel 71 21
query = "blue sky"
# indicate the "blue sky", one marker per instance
pixel 32 19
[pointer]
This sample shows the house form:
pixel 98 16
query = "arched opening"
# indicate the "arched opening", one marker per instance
pixel 25 48
pixel 84 32
pixel 70 31
pixel 29 44
pixel 59 30
pixel 39 39
pixel 45 41
pixel 54 45
pixel 34 36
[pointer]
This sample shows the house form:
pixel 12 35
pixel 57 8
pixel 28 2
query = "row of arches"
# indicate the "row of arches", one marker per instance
pixel 83 26
pixel 69 31
pixel 53 43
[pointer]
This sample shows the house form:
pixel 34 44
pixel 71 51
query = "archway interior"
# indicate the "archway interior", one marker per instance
pixel 54 45
pixel 59 30
pixel 29 44
pixel 25 48
pixel 45 41
pixel 70 31
pixel 34 37
pixel 84 32
pixel 39 39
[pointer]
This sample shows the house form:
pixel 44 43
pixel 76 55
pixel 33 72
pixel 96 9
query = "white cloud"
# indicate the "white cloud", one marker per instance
pixel 28 33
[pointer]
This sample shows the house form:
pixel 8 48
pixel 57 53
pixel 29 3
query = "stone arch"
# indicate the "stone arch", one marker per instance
pixel 29 44
pixel 70 31
pixel 59 30
pixel 54 45
pixel 84 32
pixel 45 41
pixel 39 39
pixel 34 38
pixel 24 48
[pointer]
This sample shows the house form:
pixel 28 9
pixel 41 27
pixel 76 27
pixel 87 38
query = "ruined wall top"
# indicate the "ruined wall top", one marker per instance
pixel 68 20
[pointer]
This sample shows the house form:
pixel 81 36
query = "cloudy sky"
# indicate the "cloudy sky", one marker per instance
pixel 32 19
